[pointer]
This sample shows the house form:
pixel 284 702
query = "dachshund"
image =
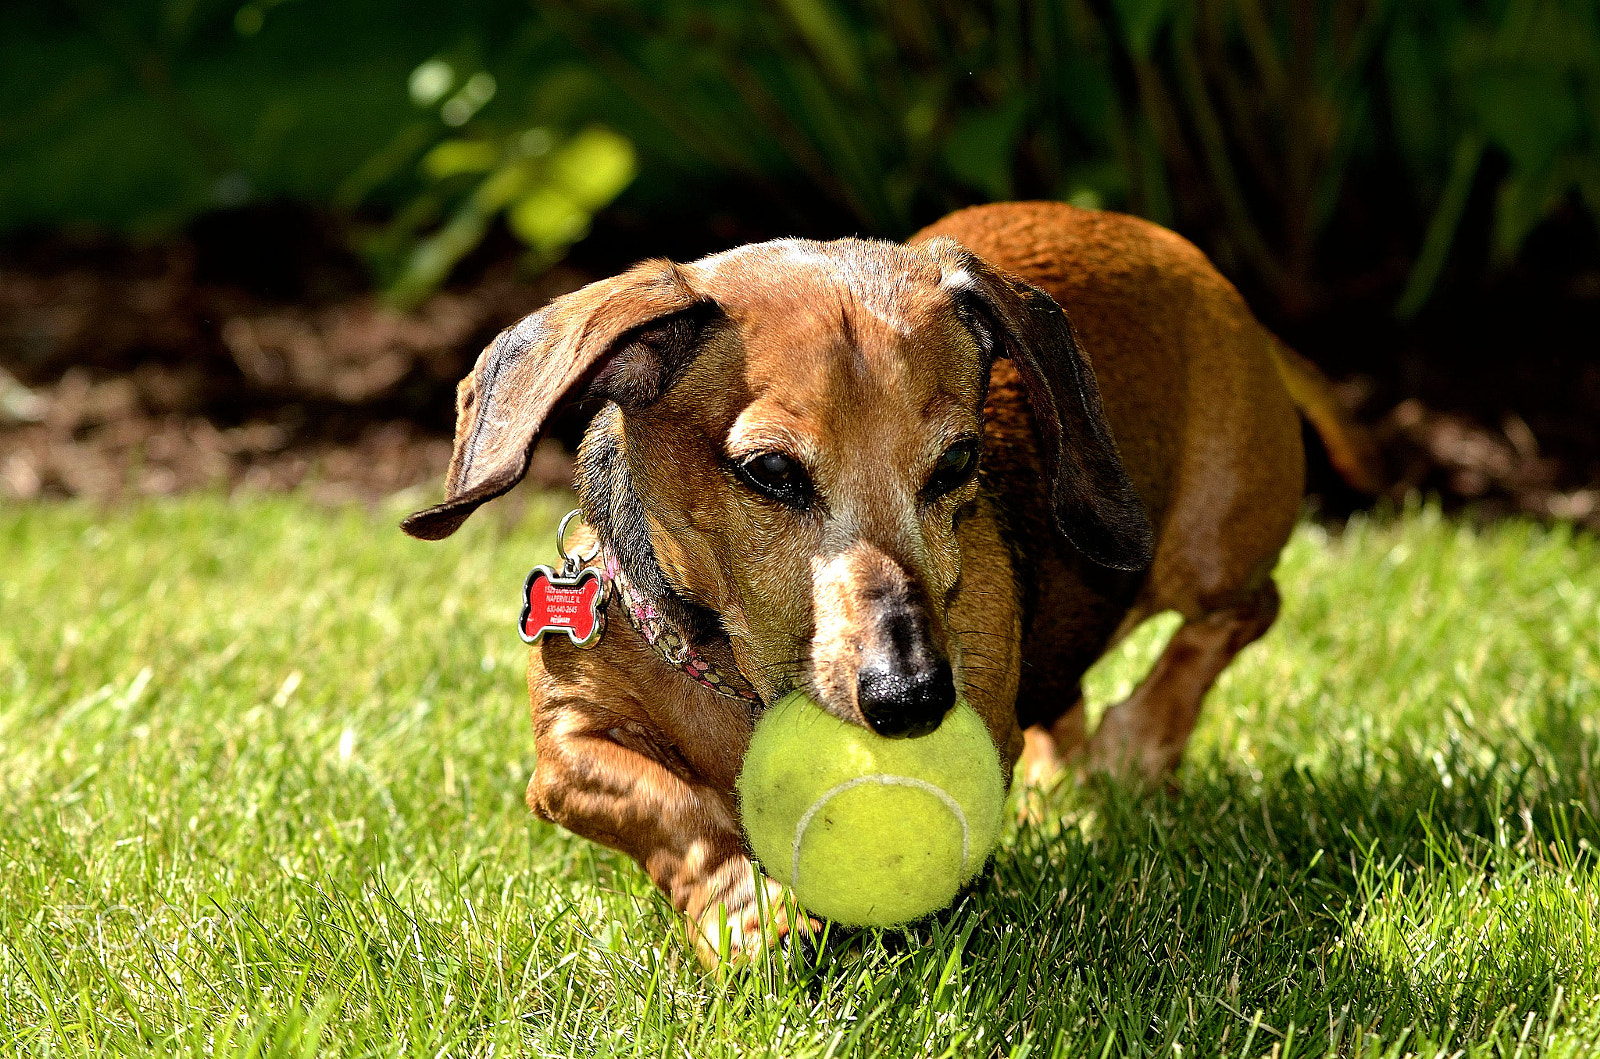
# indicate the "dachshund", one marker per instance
pixel 887 475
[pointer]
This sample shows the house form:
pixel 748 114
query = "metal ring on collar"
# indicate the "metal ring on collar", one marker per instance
pixel 561 539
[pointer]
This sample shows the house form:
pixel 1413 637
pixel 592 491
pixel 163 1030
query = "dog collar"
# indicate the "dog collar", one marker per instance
pixel 573 601
pixel 669 643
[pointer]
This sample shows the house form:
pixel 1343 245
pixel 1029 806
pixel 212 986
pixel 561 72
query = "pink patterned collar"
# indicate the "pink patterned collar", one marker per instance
pixel 668 642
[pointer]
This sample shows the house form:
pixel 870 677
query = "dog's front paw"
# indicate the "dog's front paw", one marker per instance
pixel 751 916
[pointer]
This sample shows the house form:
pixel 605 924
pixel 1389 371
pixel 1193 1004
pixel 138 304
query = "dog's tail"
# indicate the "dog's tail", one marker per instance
pixel 1350 447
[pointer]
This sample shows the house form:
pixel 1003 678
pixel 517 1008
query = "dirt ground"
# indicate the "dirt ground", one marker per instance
pixel 128 371
pixel 195 363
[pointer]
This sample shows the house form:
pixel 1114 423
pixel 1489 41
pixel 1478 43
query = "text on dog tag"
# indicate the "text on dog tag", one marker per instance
pixel 571 605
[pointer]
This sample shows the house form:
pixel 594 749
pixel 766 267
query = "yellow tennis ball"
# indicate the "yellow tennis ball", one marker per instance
pixel 870 831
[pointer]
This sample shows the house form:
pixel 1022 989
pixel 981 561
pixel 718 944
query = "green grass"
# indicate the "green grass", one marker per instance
pixel 263 782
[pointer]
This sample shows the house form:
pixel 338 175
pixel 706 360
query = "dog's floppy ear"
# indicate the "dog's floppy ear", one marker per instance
pixel 626 338
pixel 1094 503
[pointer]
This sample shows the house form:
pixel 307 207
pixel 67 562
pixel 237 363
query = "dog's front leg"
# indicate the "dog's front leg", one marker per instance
pixel 611 778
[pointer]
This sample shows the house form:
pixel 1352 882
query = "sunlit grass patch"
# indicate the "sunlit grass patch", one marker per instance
pixel 1513 926
pixel 262 794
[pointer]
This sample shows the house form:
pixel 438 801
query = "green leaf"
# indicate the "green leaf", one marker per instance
pixel 1529 113
pixel 429 264
pixel 455 157
pixel 593 167
pixel 1523 201
pixel 1441 234
pixel 503 187
pixel 979 150
pixel 430 81
pixel 1141 21
pixel 829 36
pixel 548 218
pixel 1415 105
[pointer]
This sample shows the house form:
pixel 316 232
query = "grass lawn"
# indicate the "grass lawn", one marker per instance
pixel 262 795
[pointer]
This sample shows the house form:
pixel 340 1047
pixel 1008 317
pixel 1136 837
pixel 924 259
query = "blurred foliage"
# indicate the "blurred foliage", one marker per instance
pixel 547 186
pixel 139 114
pixel 1313 147
pixel 1524 86
pixel 1238 121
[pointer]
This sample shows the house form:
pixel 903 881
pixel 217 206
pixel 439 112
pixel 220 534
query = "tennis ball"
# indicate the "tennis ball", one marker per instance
pixel 869 831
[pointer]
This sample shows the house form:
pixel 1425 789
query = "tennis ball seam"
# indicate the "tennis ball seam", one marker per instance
pixel 889 779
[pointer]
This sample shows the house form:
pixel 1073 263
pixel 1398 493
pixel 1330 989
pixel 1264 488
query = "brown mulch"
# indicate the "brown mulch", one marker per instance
pixel 128 371
pixel 1500 471
pixel 103 441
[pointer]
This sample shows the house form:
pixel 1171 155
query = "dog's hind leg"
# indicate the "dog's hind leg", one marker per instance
pixel 1047 748
pixel 1143 736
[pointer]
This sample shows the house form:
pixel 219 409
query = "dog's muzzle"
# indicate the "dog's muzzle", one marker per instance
pixel 904 687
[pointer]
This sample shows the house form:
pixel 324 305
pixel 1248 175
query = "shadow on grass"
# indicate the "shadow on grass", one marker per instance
pixel 1413 899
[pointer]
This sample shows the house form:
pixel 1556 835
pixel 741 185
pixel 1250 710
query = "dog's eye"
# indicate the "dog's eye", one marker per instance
pixel 953 470
pixel 778 476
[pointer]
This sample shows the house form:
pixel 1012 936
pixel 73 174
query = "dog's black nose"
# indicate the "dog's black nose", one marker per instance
pixel 905 702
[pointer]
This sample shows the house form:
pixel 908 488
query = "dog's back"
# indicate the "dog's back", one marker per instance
pixel 1186 373
pixel 1206 429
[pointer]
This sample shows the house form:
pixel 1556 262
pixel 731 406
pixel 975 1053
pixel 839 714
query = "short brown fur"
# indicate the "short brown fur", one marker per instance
pixel 867 361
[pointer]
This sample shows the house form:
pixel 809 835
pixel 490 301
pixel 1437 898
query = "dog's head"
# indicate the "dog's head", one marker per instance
pixel 792 435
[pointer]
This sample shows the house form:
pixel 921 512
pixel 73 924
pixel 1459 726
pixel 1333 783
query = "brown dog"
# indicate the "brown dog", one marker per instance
pixel 881 473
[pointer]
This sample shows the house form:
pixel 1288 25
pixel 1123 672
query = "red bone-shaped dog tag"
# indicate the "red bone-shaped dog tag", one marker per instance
pixel 573 605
